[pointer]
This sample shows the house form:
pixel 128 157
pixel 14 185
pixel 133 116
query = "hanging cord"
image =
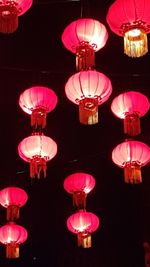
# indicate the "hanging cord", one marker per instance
pixel 85 8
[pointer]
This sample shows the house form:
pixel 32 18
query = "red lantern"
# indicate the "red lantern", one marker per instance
pixel 79 185
pixel 37 150
pixel 38 101
pixel 12 235
pixel 131 155
pixel 130 106
pixel 84 37
pixel 83 223
pixel 131 19
pixel 12 198
pixel 88 89
pixel 9 12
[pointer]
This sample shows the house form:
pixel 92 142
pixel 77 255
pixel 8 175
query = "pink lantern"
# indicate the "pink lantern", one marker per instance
pixel 131 19
pixel 130 106
pixel 83 223
pixel 79 185
pixel 12 235
pixel 9 12
pixel 37 150
pixel 131 155
pixel 88 89
pixel 84 37
pixel 12 198
pixel 38 101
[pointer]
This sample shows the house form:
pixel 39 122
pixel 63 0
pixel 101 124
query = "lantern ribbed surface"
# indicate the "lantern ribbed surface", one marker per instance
pixel 22 5
pixel 88 84
pixel 13 196
pixel 13 233
pixel 84 30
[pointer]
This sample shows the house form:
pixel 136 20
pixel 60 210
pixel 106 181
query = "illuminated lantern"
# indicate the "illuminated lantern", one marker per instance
pixel 131 155
pixel 12 198
pixel 12 235
pixel 9 12
pixel 131 19
pixel 83 223
pixel 84 37
pixel 79 185
pixel 88 89
pixel 130 106
pixel 37 150
pixel 38 101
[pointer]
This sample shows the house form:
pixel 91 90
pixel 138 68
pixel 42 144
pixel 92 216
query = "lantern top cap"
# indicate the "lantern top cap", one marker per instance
pixel 84 30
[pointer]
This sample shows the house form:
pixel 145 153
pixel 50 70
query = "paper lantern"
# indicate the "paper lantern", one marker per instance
pixel 130 106
pixel 131 155
pixel 131 19
pixel 88 89
pixel 84 37
pixel 79 185
pixel 9 12
pixel 12 235
pixel 12 198
pixel 38 101
pixel 37 150
pixel 83 223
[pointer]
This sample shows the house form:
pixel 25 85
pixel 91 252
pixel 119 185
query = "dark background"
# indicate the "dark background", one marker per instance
pixel 35 55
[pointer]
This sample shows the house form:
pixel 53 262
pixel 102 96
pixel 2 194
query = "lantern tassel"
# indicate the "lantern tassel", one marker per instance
pixel 85 56
pixel 132 173
pixel 12 250
pixel 84 240
pixel 38 119
pixel 79 199
pixel 38 165
pixel 88 111
pixel 12 213
pixel 132 124
pixel 8 18
pixel 135 43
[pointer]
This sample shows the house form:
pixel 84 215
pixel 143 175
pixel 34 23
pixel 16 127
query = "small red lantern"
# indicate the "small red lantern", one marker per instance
pixel 79 185
pixel 12 198
pixel 84 37
pixel 131 19
pixel 12 235
pixel 130 106
pixel 37 150
pixel 83 223
pixel 88 89
pixel 9 12
pixel 131 155
pixel 38 101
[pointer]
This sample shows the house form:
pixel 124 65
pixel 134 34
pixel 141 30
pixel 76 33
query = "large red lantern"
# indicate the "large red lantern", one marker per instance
pixel 79 185
pixel 38 101
pixel 131 155
pixel 130 106
pixel 37 150
pixel 83 223
pixel 9 12
pixel 88 89
pixel 84 37
pixel 12 235
pixel 131 19
pixel 12 198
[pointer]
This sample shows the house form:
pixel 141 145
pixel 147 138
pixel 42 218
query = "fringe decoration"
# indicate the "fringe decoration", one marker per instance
pixel 38 119
pixel 132 173
pixel 8 18
pixel 38 166
pixel 79 200
pixel 132 124
pixel 85 56
pixel 12 251
pixel 12 213
pixel 88 111
pixel 84 240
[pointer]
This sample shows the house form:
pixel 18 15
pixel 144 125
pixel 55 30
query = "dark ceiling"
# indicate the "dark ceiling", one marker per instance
pixel 35 55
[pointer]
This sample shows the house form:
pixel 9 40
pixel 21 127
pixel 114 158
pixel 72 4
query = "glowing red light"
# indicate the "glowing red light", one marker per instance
pixel 131 155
